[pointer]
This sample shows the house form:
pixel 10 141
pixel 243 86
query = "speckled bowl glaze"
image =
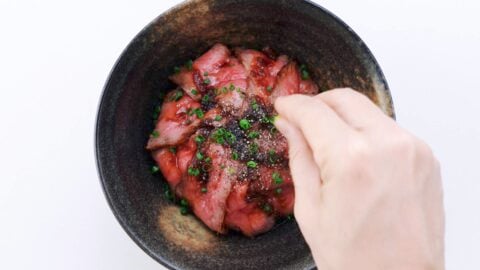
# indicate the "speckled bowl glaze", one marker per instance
pixel 335 56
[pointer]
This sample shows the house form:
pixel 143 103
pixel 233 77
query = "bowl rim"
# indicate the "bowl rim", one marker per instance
pixel 97 141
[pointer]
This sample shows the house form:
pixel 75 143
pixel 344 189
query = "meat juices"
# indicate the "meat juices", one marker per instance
pixel 215 143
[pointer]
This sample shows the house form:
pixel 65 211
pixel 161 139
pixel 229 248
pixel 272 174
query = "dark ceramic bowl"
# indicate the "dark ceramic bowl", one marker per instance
pixel 336 57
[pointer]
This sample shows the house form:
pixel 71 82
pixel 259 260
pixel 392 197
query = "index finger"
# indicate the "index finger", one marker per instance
pixel 354 108
pixel 323 129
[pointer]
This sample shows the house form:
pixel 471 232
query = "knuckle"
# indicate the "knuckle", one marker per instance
pixel 360 152
pixel 424 150
pixel 412 150
pixel 401 144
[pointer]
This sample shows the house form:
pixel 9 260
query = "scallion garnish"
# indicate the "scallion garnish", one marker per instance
pixel 189 64
pixel 199 113
pixel 304 72
pixel 253 134
pixel 199 139
pixel 251 164
pixel 205 98
pixel 154 169
pixel 244 124
pixel 177 95
pixel 277 179
pixel 267 208
pixel 193 171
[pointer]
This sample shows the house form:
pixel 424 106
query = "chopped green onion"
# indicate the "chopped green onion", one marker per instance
pixel 194 92
pixel 251 164
pixel 155 134
pixel 170 196
pixel 232 87
pixel 183 202
pixel 253 148
pixel 218 135
pixel 199 113
pixel 208 159
pixel 235 156
pixel 206 98
pixel 154 169
pixel 254 105
pixel 199 139
pixel 207 81
pixel 173 149
pixel 193 171
pixel 278 190
pixel 156 112
pixel 199 156
pixel 272 156
pixel 183 210
pixel 230 137
pixel 268 119
pixel 189 64
pixel 176 70
pixel 177 96
pixel 203 190
pixel 222 135
pixel 269 88
pixel 304 72
pixel 244 124
pixel 277 179
pixel 253 134
pixel 267 208
pixel 224 90
pixel 205 73
pixel 218 118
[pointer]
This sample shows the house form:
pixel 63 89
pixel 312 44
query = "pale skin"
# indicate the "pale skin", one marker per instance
pixel 368 194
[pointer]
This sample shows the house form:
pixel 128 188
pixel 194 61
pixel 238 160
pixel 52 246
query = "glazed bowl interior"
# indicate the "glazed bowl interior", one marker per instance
pixel 335 56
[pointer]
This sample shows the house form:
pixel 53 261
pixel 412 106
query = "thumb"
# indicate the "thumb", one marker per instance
pixel 305 172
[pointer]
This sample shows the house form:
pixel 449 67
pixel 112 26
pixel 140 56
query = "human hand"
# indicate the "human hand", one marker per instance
pixel 368 194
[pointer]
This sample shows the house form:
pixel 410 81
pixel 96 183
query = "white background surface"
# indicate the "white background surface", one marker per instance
pixel 55 57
